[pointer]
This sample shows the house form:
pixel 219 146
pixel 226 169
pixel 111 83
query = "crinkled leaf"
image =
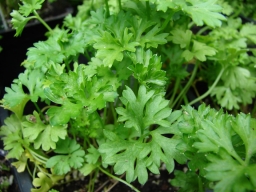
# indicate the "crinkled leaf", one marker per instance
pixel 134 111
pixel 199 51
pixel 70 156
pixel 15 99
pixel 41 134
pixel 12 136
pixel 110 49
pixel 19 22
pixel 207 12
pixel 28 6
pixel 181 37
pixel 44 183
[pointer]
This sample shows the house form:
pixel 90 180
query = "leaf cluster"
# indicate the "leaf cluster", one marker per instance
pixel 118 109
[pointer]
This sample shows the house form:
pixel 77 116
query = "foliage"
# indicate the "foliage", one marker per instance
pixel 119 110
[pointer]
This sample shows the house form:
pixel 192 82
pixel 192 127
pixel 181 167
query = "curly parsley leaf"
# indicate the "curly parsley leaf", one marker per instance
pixel 134 157
pixel 12 137
pixel 217 136
pixel 15 99
pixel 199 51
pixel 70 156
pixel 181 37
pixel 237 87
pixel 41 134
pixel 147 69
pixel 110 49
pixel 19 21
pixel 141 111
pixel 44 182
pixel 207 12
pixel 44 53
pixel 187 182
pixel 28 6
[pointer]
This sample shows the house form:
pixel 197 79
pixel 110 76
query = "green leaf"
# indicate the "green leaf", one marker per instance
pixel 15 99
pixel 244 127
pixel 226 97
pixel 248 31
pixel 44 183
pixel 110 49
pixel 181 37
pixel 229 174
pixel 205 12
pixel 33 80
pixel 41 134
pixel 134 157
pixel 134 112
pixel 93 155
pixel 44 53
pixel 187 182
pixel 70 156
pixel 199 51
pixel 28 6
pixel 62 115
pixel 12 137
pixel 19 21
pixel 147 69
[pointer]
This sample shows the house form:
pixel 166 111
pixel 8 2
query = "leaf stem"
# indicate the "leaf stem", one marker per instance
pixel 185 89
pixel 148 9
pixel 107 8
pixel 210 89
pixel 42 21
pixel 119 5
pixel 118 179
pixel 175 89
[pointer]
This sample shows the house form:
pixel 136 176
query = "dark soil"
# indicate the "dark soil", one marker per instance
pixel 155 183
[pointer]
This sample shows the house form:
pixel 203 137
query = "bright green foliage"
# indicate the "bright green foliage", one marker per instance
pixel 110 49
pixel 70 155
pixel 106 85
pixel 135 157
pixel 248 31
pixel 12 137
pixel 200 11
pixel 43 54
pixel 73 92
pixel 41 134
pixel 199 51
pixel 181 37
pixel 205 12
pixel 188 182
pixel 44 182
pixel 147 69
pixel 218 137
pixel 19 22
pixel 16 98
pixel 29 6
pixel 144 110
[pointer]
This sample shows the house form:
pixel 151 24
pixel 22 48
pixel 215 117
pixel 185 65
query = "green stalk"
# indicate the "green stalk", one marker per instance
pixel 175 89
pixel 209 90
pixel 148 9
pixel 107 8
pixel 42 21
pixel 203 30
pixel 184 90
pixel 119 5
pixel 118 179
pixel 113 112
